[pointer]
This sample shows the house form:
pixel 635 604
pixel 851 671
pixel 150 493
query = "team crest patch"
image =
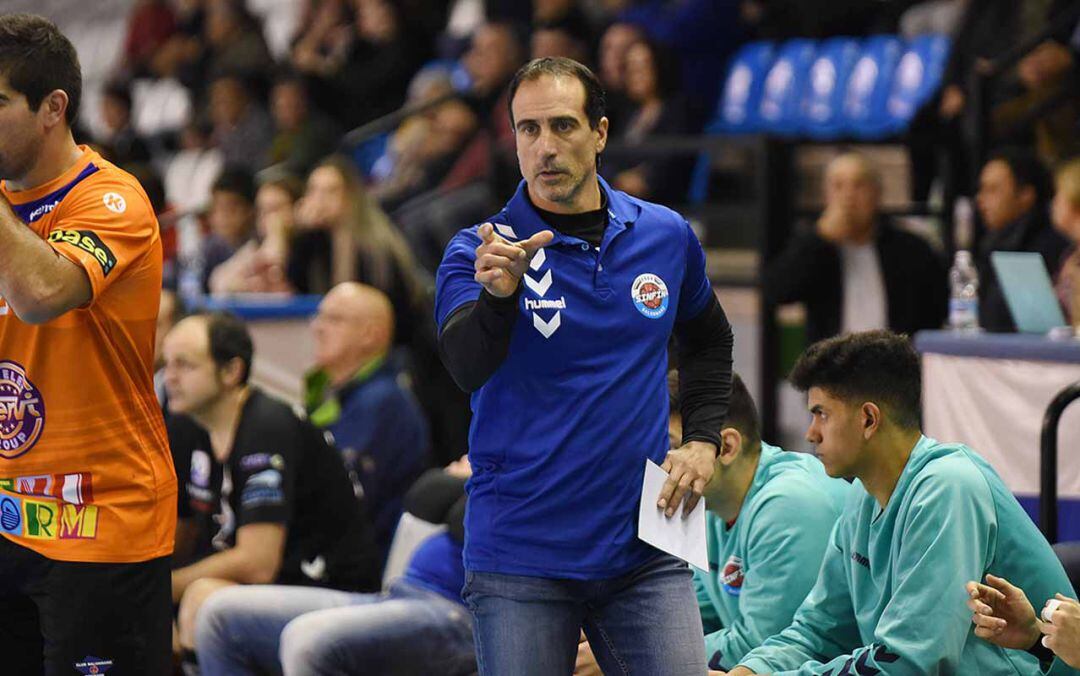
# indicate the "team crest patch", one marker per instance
pixel 22 411
pixel 732 576
pixel 650 295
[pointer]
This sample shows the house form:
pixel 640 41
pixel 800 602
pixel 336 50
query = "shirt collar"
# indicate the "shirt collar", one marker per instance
pixel 523 220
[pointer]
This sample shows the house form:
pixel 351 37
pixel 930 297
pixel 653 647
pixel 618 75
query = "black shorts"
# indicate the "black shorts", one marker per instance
pixel 60 617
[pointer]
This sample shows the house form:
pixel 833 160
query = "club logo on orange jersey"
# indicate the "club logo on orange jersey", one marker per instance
pixel 22 411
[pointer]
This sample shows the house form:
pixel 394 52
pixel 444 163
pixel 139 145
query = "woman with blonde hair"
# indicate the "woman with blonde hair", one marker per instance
pixel 1066 217
pixel 343 235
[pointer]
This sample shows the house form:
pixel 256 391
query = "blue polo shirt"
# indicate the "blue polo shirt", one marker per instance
pixel 560 432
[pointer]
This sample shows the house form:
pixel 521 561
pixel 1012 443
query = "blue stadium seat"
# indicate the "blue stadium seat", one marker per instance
pixel 782 95
pixel 737 109
pixel 869 86
pixel 918 77
pixel 823 97
pixel 738 105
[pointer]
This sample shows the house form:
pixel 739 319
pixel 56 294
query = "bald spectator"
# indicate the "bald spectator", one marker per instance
pixel 355 393
pixel 855 270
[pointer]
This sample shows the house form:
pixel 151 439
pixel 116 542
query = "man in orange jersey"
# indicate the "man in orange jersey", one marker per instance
pixel 87 489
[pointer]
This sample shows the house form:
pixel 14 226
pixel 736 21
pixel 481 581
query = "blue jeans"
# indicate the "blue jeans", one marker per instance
pixel 302 631
pixel 644 622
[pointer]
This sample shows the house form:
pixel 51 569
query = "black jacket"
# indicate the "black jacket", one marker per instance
pixel 809 271
pixel 1031 232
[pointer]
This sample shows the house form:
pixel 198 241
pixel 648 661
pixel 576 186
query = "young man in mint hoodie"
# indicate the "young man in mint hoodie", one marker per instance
pixel 770 513
pixel 925 517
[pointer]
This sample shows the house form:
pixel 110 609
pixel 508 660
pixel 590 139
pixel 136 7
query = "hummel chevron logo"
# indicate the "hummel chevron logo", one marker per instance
pixel 547 328
pixel 541 287
pixel 538 259
pixel 505 231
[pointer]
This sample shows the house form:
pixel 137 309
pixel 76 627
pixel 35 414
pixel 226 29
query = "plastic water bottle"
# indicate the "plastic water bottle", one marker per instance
pixel 964 293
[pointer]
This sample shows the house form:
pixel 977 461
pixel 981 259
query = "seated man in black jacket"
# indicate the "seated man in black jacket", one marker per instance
pixel 855 271
pixel 1014 193
pixel 263 497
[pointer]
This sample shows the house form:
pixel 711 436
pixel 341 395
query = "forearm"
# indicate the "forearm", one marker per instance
pixel 34 280
pixel 234 565
pixel 476 339
pixel 705 372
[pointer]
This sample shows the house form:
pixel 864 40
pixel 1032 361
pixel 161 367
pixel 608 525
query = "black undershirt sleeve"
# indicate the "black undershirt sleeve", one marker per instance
pixel 705 344
pixel 475 339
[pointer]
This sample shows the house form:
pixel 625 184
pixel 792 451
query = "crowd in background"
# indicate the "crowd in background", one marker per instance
pixel 235 115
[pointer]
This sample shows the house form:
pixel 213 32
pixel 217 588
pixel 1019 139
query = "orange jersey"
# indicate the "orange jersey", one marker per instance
pixel 85 468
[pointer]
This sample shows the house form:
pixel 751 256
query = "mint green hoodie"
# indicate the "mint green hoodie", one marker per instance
pixel 762 567
pixel 890 597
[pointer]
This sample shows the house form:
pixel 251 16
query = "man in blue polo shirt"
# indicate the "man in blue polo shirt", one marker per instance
pixel 556 315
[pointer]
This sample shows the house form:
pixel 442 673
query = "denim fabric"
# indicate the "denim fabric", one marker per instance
pixel 644 622
pixel 302 631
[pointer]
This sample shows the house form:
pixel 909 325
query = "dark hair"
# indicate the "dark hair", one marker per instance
pixel 877 366
pixel 668 77
pixel 559 66
pixel 238 181
pixel 742 413
pixel 1028 171
pixel 229 339
pixel 37 59
pixel 120 91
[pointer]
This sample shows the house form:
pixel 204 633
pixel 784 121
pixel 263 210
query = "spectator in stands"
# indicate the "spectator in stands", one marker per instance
pixel 302 136
pixel 422 150
pixel 554 39
pixel 494 56
pixel 233 42
pixel 258 266
pixel 355 393
pixel 1014 194
pixel 925 517
pixel 231 219
pixel 121 144
pixel 855 270
pixel 652 85
pixel 1004 616
pixel 242 129
pixel 417 626
pixel 762 562
pixel 190 174
pixel 615 43
pixel 263 497
pixel 343 235
pixel 150 25
pixel 703 33
pixel 365 72
pixel 1066 216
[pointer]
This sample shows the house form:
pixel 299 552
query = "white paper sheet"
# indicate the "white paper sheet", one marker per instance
pixel 684 538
